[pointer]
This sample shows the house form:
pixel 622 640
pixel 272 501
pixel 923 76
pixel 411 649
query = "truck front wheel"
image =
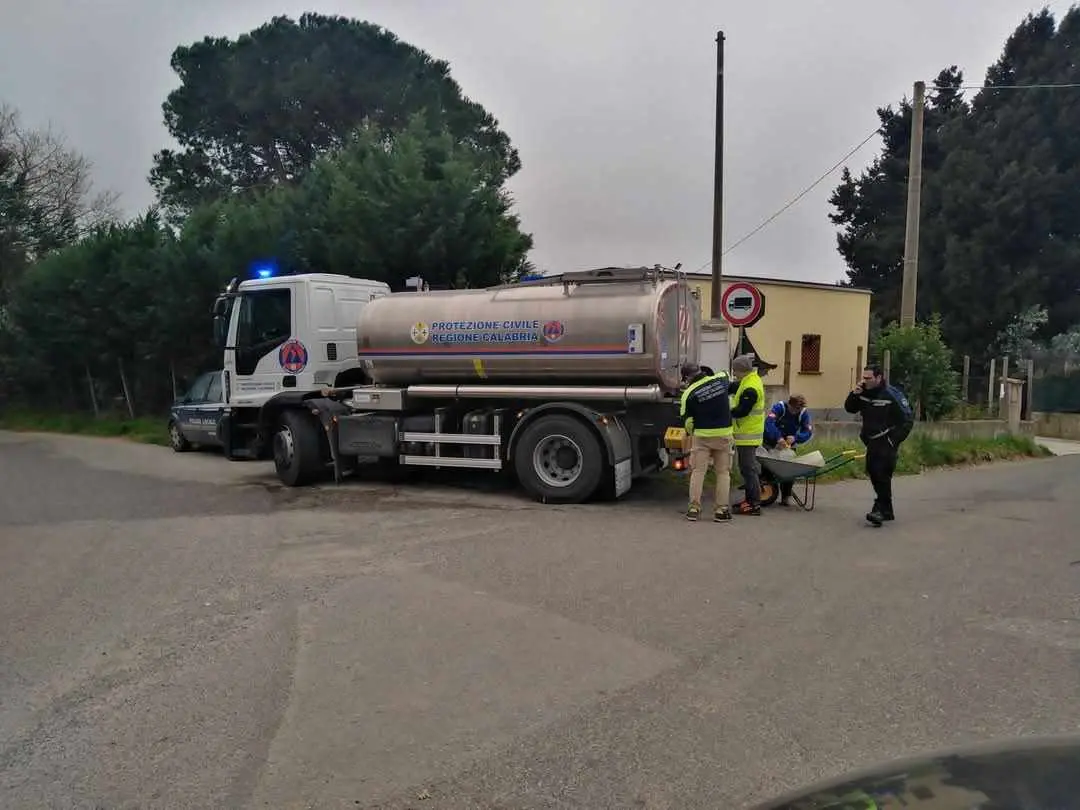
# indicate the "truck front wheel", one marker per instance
pixel 300 454
pixel 559 459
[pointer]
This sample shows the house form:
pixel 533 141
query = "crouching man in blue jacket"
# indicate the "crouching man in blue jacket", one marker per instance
pixel 787 424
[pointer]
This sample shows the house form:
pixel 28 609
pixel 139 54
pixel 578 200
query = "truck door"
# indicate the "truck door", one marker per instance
pixel 265 355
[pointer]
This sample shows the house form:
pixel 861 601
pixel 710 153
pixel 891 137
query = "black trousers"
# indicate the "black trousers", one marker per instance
pixel 750 469
pixel 880 466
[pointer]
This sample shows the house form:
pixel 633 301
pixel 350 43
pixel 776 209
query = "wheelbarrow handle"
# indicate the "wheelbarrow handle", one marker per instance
pixel 847 455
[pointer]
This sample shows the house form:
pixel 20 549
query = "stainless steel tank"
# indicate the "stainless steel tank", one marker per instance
pixel 583 329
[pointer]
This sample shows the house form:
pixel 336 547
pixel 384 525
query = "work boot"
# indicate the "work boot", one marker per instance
pixel 693 511
pixel 722 515
pixel 747 508
pixel 880 513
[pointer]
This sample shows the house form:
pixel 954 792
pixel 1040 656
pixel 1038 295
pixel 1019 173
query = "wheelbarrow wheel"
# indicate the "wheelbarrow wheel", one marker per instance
pixel 770 489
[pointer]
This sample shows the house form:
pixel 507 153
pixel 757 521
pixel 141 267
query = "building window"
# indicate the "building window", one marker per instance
pixel 810 359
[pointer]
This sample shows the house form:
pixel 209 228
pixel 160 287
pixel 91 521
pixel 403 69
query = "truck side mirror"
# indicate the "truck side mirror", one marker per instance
pixel 221 330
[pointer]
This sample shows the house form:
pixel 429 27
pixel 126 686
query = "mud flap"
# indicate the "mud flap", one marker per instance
pixel 624 476
pixel 327 412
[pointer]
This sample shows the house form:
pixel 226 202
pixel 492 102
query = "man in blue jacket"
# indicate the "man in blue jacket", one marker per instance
pixel 787 424
pixel 706 415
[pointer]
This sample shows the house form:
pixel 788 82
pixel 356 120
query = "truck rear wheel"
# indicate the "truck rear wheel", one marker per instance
pixel 300 452
pixel 559 459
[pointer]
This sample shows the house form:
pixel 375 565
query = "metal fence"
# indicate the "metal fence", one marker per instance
pixel 1051 385
pixel 1056 383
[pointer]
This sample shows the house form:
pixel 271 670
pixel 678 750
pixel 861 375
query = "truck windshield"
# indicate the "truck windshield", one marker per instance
pixel 265 322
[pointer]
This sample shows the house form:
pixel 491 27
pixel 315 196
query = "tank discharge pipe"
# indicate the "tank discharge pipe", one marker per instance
pixel 596 393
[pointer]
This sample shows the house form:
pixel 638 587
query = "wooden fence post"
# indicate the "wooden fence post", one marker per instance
pixel 886 362
pixel 965 385
pixel 990 388
pixel 787 366
pixel 1003 402
pixel 1030 409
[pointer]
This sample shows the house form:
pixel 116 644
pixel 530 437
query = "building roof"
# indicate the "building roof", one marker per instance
pixel 782 282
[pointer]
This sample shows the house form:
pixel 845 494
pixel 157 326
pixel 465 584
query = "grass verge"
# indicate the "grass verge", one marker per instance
pixel 148 430
pixel 921 452
pixel 918 453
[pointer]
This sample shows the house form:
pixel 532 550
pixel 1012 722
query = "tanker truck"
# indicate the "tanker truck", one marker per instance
pixel 569 383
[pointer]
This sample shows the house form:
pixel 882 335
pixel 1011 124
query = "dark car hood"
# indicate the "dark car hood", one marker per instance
pixel 1029 774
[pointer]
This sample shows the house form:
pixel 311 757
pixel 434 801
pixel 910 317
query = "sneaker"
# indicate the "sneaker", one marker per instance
pixel 746 508
pixel 722 515
pixel 693 512
pixel 875 518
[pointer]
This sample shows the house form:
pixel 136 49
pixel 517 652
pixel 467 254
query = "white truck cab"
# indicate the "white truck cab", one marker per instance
pixel 288 333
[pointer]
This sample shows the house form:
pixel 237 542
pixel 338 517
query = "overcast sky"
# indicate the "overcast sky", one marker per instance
pixel 610 102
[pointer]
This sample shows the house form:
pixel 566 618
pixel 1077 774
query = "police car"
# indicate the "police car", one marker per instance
pixel 195 417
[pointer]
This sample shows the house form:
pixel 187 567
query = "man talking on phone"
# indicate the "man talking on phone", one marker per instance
pixel 887 420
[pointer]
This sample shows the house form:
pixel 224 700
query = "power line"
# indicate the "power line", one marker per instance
pixel 796 198
pixel 1007 87
pixel 867 139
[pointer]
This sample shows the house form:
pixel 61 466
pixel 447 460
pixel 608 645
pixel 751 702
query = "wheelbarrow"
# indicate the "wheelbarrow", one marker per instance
pixel 777 471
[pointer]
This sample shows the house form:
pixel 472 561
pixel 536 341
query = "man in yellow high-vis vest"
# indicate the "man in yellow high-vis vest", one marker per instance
pixel 748 415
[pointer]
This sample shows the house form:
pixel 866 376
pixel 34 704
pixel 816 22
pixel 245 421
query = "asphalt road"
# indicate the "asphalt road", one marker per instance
pixel 179 632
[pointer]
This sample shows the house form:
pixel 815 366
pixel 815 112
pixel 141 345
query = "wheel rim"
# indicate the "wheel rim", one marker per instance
pixel 174 436
pixel 284 448
pixel 557 461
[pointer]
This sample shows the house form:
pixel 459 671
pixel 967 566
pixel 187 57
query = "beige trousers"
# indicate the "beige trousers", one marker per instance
pixel 718 451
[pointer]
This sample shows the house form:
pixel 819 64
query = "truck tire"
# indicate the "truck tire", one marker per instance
pixel 559 459
pixel 300 451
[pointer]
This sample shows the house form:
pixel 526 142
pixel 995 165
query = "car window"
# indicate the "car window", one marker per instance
pixel 213 394
pixel 197 392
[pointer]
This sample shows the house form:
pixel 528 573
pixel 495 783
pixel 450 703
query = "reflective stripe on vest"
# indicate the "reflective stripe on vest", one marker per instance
pixel 714 433
pixel 750 429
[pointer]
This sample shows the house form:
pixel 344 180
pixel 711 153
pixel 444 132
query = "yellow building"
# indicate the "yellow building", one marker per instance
pixel 826 325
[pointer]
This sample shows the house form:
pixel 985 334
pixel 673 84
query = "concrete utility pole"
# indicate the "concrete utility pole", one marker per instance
pixel 914 195
pixel 718 184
